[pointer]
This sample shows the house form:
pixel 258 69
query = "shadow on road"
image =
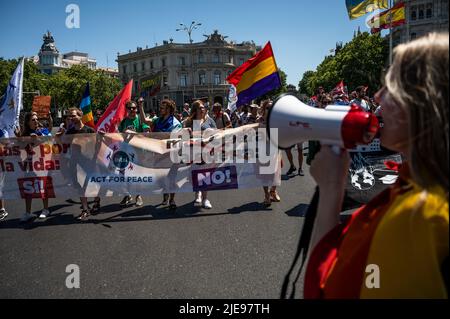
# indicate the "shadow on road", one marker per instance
pixel 298 211
pixel 249 207
pixel 145 213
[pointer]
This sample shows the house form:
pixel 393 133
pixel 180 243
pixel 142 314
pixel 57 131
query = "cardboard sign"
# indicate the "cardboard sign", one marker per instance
pixel 41 105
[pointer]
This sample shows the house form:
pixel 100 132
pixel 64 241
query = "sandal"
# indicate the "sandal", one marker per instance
pixel 172 204
pixel 275 197
pixel 96 207
pixel 267 201
pixel 84 215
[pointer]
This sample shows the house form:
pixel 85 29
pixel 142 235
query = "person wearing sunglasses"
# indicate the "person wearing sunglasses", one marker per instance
pixel 132 124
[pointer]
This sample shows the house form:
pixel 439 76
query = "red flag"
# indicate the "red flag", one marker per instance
pixel 339 89
pixel 115 112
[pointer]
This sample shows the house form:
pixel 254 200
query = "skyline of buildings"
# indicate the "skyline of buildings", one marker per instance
pixel 184 71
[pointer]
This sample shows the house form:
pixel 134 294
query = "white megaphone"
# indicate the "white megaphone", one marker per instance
pixel 340 126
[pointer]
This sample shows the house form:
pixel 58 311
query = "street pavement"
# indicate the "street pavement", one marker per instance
pixel 237 250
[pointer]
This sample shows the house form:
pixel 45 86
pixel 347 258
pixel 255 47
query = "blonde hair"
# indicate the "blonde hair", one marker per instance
pixel 418 81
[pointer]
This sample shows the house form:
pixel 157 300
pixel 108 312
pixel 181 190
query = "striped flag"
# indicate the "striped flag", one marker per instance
pixel 85 106
pixel 256 77
pixel 389 18
pixel 358 8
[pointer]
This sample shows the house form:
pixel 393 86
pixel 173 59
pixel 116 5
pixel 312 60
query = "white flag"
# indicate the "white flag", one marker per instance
pixel 11 103
pixel 232 98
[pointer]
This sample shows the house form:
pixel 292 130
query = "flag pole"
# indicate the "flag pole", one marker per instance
pixel 390 32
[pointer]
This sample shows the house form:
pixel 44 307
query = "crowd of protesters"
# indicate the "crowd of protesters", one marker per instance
pixel 171 119
pixel 137 121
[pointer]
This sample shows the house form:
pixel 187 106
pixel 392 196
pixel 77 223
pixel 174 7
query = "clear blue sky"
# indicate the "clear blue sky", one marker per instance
pixel 302 32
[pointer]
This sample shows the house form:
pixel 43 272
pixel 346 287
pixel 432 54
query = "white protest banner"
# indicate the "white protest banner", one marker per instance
pixel 119 164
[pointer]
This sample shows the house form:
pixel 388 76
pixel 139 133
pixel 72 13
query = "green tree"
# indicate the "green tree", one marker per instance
pixel 65 87
pixel 362 61
pixel 304 86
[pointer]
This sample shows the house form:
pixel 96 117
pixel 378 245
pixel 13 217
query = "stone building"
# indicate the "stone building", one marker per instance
pixel 51 61
pixel 422 17
pixel 184 72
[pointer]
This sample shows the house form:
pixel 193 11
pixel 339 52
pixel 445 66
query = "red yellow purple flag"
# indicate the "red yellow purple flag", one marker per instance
pixel 255 77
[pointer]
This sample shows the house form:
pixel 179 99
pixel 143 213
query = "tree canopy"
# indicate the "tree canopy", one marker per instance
pixel 361 61
pixel 65 87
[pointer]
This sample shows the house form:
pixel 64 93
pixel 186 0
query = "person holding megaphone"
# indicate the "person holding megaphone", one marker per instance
pixel 397 245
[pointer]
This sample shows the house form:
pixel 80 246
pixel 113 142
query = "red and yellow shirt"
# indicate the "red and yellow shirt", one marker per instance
pixel 403 231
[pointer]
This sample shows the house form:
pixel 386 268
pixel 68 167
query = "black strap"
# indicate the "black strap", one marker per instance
pixel 303 244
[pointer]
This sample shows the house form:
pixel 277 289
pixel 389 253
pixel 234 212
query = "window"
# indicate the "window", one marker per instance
pixel 429 11
pixel 181 60
pixel 414 13
pixel 134 67
pixel 163 62
pixel 241 61
pixel 215 58
pixel 136 86
pixel 183 80
pixel 421 12
pixel 143 66
pixel 165 81
pixel 413 36
pixel 217 79
pixel 201 58
pixel 202 78
pixel 151 64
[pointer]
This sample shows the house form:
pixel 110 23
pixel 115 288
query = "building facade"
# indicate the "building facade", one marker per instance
pixel 422 17
pixel 51 61
pixel 184 72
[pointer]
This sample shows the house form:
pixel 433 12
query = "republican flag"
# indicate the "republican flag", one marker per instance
pixel 256 77
pixel 389 18
pixel 115 112
pixel 358 8
pixel 11 103
pixel 85 106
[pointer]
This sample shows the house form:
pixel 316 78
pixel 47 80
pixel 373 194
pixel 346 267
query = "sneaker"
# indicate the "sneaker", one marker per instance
pixel 300 172
pixel 44 213
pixel 3 214
pixel 26 217
pixel 126 200
pixel 139 201
pixel 84 215
pixel 291 170
pixel 198 197
pixel 206 204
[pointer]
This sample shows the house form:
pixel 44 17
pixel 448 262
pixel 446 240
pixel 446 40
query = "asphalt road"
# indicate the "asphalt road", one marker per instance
pixel 237 250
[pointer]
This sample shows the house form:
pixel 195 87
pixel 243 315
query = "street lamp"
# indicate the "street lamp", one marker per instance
pixel 194 25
